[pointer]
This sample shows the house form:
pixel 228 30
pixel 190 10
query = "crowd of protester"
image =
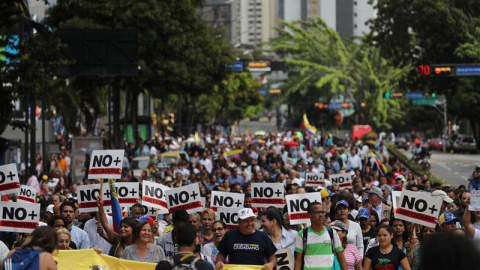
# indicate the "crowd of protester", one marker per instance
pixel 350 229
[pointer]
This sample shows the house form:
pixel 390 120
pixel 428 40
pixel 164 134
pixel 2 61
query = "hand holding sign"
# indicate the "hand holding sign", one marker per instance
pixel 106 164
pixel 343 180
pixel 9 181
pixel 419 208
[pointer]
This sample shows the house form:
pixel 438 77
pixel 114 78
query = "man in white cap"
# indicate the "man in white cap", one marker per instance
pixel 375 199
pixel 246 245
pixel 445 199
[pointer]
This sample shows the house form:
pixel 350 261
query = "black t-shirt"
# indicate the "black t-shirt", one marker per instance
pixel 251 249
pixel 390 261
pixel 372 233
pixel 184 259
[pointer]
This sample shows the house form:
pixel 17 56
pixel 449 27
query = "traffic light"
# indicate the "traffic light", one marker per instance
pixel 434 95
pixel 387 95
pixel 443 70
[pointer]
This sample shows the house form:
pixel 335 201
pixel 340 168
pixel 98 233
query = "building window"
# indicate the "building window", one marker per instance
pixel 355 25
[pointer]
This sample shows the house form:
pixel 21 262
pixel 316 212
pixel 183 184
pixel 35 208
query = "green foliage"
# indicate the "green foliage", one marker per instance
pixel 322 64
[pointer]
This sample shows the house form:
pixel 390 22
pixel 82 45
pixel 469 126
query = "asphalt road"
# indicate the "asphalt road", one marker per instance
pixel 454 168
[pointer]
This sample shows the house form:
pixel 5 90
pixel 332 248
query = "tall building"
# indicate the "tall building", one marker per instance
pixel 38 7
pixel 348 17
pixel 257 20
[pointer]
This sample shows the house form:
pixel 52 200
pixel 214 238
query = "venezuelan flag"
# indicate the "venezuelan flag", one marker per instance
pixel 309 129
pixel 116 209
pixel 233 153
pixel 381 167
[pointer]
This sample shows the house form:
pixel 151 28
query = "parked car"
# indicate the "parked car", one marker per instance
pixel 402 142
pixel 465 144
pixel 436 144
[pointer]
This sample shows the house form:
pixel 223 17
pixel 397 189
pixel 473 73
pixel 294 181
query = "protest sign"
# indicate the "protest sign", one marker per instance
pixel 229 216
pixel 226 199
pixel 474 200
pixel 186 197
pixel 285 259
pixel 419 208
pixel 27 194
pixel 106 164
pixel 9 181
pixel 19 217
pixel 396 198
pixel 343 180
pixel 154 196
pixel 289 163
pixel 268 194
pixel 127 193
pixel 297 206
pixel 87 197
pixel 314 179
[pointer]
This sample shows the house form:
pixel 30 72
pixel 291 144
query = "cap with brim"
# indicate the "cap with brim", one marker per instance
pixel 363 213
pixel 246 213
pixel 342 202
pixel 325 193
pixel 50 208
pixel 401 177
pixel 339 226
pixel 376 191
pixel 447 217
pixel 443 195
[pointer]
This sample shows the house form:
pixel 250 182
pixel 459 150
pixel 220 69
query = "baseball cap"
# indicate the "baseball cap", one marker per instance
pixel 342 202
pixel 246 213
pixel 375 190
pixel 50 208
pixel 447 217
pixel 243 164
pixel 386 187
pixel 363 213
pixel 339 226
pixel 401 177
pixel 443 195
pixel 326 193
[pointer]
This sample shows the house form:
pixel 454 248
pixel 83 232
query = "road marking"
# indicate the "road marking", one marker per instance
pixel 441 164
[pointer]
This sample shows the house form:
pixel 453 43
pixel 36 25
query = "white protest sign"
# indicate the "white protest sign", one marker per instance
pixel 419 208
pixel 226 199
pixel 186 197
pixel 87 197
pixel 343 180
pixel 154 196
pixel 285 259
pixel 268 194
pixel 474 200
pixel 314 179
pixel 106 164
pixel 19 217
pixel 9 181
pixel 151 211
pixel 127 193
pixel 297 206
pixel 396 198
pixel 27 194
pixel 229 216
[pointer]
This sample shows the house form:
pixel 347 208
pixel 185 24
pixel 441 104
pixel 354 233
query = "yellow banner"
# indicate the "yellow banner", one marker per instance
pixel 88 259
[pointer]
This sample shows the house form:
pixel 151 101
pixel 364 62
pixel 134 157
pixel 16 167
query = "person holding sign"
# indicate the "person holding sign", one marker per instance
pixel 385 255
pixel 245 245
pixel 317 245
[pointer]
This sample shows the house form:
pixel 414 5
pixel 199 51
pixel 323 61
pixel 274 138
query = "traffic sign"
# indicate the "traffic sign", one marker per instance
pixel 414 95
pixel 424 101
pixel 468 70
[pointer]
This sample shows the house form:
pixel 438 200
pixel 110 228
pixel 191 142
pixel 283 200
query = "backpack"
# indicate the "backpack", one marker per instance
pixel 184 266
pixel 305 238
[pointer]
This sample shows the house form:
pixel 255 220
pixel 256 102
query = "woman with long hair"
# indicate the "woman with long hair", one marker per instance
pixel 210 250
pixel 36 252
pixel 274 226
pixel 400 233
pixel 385 255
pixel 119 241
pixel 350 252
pixel 143 250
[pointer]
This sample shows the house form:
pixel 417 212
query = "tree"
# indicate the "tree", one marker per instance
pixel 323 65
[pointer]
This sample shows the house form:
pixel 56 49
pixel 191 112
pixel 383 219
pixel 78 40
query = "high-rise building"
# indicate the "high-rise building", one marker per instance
pixel 37 8
pixel 257 20
pixel 347 17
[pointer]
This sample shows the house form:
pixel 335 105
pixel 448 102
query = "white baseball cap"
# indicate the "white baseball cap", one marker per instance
pixel 246 213
pixel 50 208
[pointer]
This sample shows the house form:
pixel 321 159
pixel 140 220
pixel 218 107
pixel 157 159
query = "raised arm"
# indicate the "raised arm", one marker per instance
pixel 111 234
pixel 469 229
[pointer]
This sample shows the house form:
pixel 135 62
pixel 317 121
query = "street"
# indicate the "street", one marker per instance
pixel 454 168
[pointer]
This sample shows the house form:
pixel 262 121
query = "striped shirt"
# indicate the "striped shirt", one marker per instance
pixel 352 256
pixel 318 255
